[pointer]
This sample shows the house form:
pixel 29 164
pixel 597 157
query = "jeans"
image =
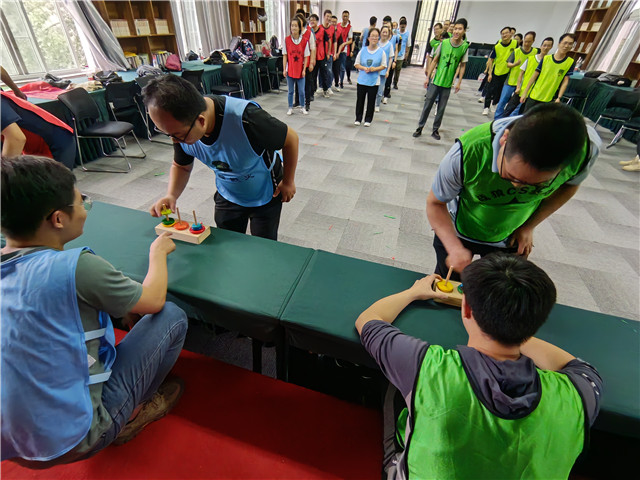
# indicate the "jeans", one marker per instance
pixel 335 68
pixel 265 219
pixel 507 91
pixel 494 88
pixel 370 93
pixel 328 75
pixel 381 88
pixel 291 84
pixel 144 358
pixel 434 93
pixel 342 62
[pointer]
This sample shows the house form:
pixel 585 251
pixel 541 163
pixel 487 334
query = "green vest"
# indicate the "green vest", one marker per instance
pixel 550 77
pixel 450 57
pixel 434 44
pixel 490 208
pixel 515 71
pixel 532 64
pixel 502 54
pixel 454 436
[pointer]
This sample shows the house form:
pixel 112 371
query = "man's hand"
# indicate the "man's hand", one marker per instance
pixel 423 289
pixel 523 236
pixel 426 83
pixel 523 99
pixel 162 245
pixel 489 77
pixel 457 87
pixel 393 65
pixel 168 201
pixel 517 92
pixel 459 259
pixel 558 100
pixel 288 190
pixel 311 65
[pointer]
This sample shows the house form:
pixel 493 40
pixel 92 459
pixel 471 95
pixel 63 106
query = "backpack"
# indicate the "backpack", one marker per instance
pixel 173 63
pixel 192 56
pixel 217 57
pixel 244 51
pixel 148 70
pixel 107 76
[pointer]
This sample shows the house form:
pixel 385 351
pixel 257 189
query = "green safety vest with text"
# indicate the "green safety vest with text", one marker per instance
pixel 450 57
pixel 551 75
pixel 454 436
pixel 519 54
pixel 491 208
pixel 502 54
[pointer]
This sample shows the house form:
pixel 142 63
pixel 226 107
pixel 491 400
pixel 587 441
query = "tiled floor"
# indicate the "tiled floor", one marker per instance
pixel 361 192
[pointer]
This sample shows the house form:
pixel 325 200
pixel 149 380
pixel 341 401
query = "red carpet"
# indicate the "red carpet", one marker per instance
pixel 234 424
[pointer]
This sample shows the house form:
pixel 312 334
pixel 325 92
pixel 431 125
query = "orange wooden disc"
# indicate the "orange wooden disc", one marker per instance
pixel 181 225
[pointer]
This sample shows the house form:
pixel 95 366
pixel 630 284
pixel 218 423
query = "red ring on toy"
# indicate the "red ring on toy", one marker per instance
pixel 196 228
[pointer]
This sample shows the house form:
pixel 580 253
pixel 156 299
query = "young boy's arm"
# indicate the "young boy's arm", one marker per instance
pixel 545 355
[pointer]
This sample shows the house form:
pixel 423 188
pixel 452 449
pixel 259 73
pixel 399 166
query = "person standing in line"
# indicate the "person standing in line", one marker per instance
pixel 344 38
pixel 405 38
pixel 371 61
pixel 434 43
pixel 319 35
pixel 295 57
pixel 394 40
pixel 373 21
pixel 335 65
pixel 552 72
pixel 449 55
pixel 517 58
pixel 329 50
pixel 389 49
pixel 445 30
pixel 311 40
pixel 497 70
pixel 394 27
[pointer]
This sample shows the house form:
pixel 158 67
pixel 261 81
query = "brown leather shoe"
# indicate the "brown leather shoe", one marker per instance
pixel 167 396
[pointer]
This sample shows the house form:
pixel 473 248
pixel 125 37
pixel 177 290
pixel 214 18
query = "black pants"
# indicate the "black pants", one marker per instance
pixel 512 104
pixel 309 86
pixel 529 104
pixel 476 249
pixel 348 66
pixel 264 220
pixel 387 86
pixel 335 68
pixel 370 93
pixel 494 90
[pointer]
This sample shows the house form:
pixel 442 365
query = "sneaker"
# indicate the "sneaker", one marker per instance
pixel 492 108
pixel 367 124
pixel 395 87
pixel 377 109
pixel 384 100
pixel 481 100
pixel 634 167
pixel 325 94
pixel 418 132
pixel 349 82
pixel 435 135
pixel 167 396
pixel 305 111
pixel 312 98
pixel 356 123
pixel 329 91
pixel 336 88
pixel 485 111
pixel 290 111
pixel 630 162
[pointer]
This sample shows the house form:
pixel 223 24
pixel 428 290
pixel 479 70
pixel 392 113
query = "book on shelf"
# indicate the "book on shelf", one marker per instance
pixel 243 3
pixel 142 26
pixel 120 28
pixel 134 60
pixel 242 26
pixel 159 57
pixel 580 47
pixel 588 49
pixel 255 3
pixel 584 27
pixel 596 26
pixel 162 26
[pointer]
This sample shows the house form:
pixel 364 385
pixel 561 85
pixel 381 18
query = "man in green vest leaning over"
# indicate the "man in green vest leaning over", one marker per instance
pixel 449 54
pixel 500 180
pixel 506 405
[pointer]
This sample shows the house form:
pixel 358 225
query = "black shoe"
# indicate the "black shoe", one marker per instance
pixel 341 86
pixel 307 107
pixel 312 98
pixel 295 105
pixel 436 135
pixel 395 87
pixel 418 132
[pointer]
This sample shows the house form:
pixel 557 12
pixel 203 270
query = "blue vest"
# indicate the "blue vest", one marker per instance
pixel 46 407
pixel 387 49
pixel 368 59
pixel 405 39
pixel 247 180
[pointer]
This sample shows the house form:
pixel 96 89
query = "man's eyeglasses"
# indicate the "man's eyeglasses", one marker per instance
pixel 509 178
pixel 87 203
pixel 182 140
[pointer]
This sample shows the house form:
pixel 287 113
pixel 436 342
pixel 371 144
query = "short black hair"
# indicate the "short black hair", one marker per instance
pixel 32 188
pixel 438 25
pixel 327 11
pixel 518 35
pixel 403 21
pixel 461 21
pixel 301 11
pixel 505 28
pixel 548 39
pixel 548 136
pixel 333 16
pixel 510 297
pixel 532 33
pixel 345 11
pixel 571 35
pixel 373 20
pixel 512 28
pixel 313 15
pixel 374 29
pixel 303 22
pixel 176 96
pixel 387 18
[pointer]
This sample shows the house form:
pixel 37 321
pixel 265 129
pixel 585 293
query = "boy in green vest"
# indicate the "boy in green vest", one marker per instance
pixel 500 180
pixel 449 54
pixel 497 69
pixel 506 405
pixel 434 43
pixel 553 71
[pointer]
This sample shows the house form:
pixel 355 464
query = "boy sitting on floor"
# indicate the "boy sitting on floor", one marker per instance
pixel 506 405
pixel 67 390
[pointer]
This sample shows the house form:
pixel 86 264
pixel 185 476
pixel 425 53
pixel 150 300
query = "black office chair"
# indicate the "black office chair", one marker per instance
pixel 621 106
pixel 143 82
pixel 263 72
pixel 231 80
pixel 579 90
pixel 633 125
pixel 194 77
pixel 85 114
pixel 121 100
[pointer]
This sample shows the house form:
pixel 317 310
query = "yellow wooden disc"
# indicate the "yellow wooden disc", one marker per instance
pixel 166 211
pixel 445 287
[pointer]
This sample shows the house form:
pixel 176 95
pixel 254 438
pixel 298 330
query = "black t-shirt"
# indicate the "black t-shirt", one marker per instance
pixel 266 134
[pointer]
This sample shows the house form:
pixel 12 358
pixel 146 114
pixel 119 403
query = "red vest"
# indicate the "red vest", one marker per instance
pixel 320 46
pixel 331 31
pixel 343 35
pixel 295 57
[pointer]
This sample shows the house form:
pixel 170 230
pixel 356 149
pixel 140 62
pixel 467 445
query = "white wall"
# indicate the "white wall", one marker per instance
pixel 487 18
pixel 361 10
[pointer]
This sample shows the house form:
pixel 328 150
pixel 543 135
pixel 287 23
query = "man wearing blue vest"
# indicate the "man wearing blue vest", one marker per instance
pixel 67 390
pixel 505 405
pixel 404 37
pixel 236 139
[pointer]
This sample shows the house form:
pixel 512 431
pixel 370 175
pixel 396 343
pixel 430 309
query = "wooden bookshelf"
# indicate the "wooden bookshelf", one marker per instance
pixel 243 16
pixel 633 69
pixel 142 27
pixel 304 4
pixel 592 25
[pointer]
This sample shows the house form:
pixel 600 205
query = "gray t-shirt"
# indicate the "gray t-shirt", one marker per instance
pixel 99 287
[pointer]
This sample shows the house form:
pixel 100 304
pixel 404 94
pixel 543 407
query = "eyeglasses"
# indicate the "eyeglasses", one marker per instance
pixel 87 203
pixel 182 140
pixel 509 178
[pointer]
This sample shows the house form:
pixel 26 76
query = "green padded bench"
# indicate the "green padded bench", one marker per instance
pixel 335 289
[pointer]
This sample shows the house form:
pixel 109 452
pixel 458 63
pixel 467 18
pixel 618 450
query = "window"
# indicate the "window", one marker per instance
pixel 39 36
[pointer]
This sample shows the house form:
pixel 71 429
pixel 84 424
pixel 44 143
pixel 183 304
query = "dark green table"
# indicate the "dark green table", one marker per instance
pixel 237 281
pixel 475 66
pixel 334 290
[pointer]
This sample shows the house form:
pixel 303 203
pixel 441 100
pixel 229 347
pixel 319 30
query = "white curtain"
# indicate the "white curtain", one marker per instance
pixel 277 19
pixel 607 47
pixel 201 25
